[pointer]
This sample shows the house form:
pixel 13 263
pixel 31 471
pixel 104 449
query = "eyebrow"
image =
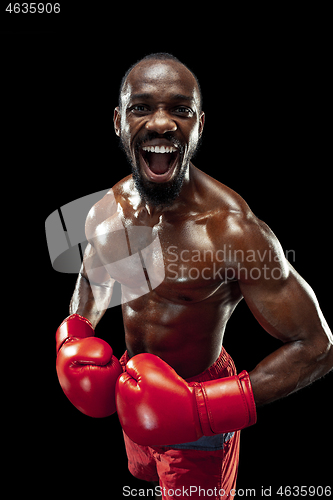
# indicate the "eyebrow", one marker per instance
pixel 174 97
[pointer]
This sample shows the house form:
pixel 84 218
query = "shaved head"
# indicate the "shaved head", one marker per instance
pixel 159 56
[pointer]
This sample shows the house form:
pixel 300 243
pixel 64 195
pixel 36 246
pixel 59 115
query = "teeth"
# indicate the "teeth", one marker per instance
pixel 159 149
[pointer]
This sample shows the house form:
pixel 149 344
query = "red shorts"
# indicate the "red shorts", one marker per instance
pixel 205 468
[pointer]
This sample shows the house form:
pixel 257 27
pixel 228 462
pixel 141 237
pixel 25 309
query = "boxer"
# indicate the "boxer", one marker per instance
pixel 179 398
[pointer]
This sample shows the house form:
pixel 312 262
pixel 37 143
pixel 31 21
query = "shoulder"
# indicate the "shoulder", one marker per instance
pixel 245 238
pixel 232 211
pixel 250 238
pixel 253 249
pixel 107 208
pixel 216 195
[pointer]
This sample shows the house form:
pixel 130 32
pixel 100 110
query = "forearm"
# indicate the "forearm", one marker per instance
pixel 292 367
pixel 90 301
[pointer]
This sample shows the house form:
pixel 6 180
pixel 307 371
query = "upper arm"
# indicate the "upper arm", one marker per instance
pixel 94 287
pixel 93 268
pixel 282 302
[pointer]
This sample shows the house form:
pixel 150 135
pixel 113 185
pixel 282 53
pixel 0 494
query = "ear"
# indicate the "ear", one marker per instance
pixel 116 120
pixel 201 123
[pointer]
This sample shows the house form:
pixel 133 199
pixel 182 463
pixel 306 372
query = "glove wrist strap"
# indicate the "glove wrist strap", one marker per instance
pixel 225 405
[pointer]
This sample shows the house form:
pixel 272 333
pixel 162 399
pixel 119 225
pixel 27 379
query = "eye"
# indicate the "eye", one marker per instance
pixel 139 109
pixel 184 111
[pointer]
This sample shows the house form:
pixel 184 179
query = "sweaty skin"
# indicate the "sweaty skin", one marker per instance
pixel 215 251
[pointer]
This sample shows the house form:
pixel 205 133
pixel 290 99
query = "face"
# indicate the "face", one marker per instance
pixel 159 125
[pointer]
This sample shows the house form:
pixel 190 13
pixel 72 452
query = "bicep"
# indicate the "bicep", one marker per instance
pixel 93 268
pixel 286 307
pixel 279 298
pixel 94 286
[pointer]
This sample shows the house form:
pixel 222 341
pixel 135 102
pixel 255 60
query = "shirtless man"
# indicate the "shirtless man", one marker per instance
pixel 214 253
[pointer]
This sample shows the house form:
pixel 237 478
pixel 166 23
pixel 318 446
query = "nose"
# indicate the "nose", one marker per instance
pixel 161 123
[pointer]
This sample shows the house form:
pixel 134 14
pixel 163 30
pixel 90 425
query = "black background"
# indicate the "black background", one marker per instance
pixel 265 89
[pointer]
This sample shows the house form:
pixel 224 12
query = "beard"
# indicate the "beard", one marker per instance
pixel 155 193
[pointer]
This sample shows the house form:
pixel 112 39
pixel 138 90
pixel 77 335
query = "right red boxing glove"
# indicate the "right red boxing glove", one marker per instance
pixel 86 368
pixel 156 407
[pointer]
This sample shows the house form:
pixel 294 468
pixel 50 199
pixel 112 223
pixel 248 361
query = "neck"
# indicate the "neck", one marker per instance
pixel 185 193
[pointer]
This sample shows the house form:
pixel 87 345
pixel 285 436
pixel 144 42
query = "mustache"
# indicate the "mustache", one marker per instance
pixel 149 136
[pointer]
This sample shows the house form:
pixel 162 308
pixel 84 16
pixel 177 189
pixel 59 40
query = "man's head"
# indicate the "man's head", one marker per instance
pixel 159 121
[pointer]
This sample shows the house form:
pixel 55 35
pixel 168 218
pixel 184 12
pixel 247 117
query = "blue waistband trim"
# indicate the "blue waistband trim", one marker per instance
pixel 205 443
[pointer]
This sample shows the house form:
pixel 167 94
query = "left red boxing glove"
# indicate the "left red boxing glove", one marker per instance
pixel 86 368
pixel 157 407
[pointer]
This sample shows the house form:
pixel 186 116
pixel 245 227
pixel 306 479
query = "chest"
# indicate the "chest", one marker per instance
pixel 178 261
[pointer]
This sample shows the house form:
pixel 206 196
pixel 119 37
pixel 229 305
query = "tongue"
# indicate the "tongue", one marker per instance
pixel 159 163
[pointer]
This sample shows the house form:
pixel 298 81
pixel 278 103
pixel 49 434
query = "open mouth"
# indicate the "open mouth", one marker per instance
pixel 159 162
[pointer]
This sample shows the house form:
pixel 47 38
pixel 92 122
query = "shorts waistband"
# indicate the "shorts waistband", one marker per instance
pixel 223 367
pixel 219 369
